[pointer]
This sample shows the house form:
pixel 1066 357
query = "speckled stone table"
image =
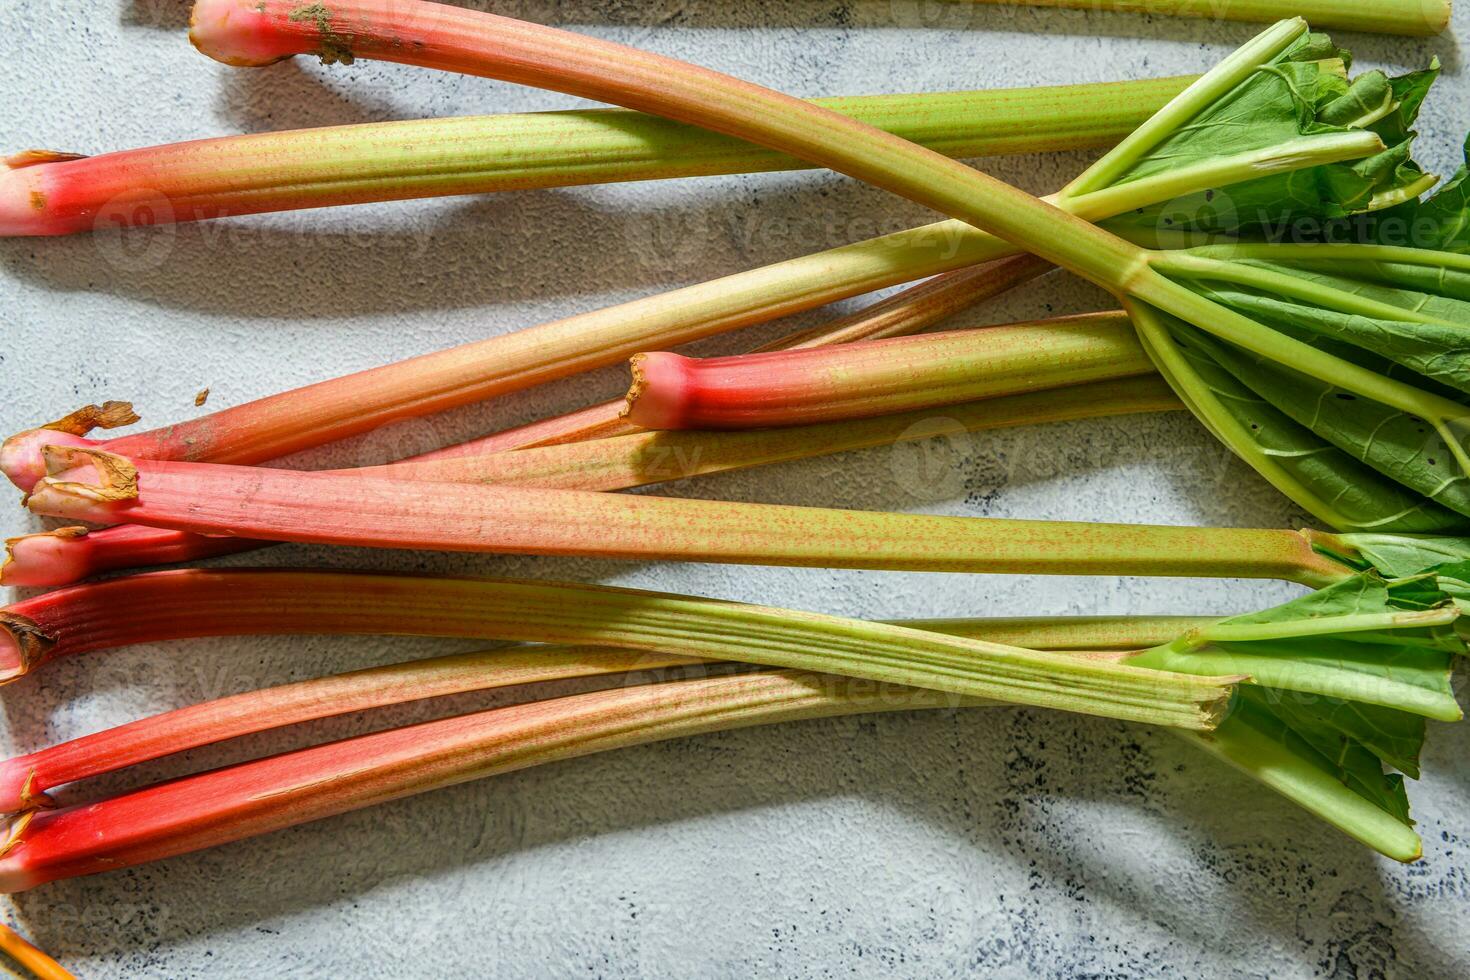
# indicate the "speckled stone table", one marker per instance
pixel 1005 844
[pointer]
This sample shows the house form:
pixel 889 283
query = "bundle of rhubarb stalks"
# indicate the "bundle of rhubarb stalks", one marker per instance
pixel 1313 326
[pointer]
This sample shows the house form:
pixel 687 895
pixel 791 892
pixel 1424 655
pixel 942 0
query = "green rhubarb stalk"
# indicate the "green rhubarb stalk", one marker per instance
pixel 371 511
pixel 200 602
pixel 1278 143
pixel 1324 753
pixel 26 780
pixel 50 194
pixel 1409 17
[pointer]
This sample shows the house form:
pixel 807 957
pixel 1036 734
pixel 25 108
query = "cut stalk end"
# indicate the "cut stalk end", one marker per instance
pixel 238 34
pixel 658 396
pixel 23 199
pixel 21 458
pixel 23 645
pixel 46 559
pixel 83 484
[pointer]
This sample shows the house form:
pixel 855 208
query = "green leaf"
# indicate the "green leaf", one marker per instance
pixel 1437 350
pixel 1442 222
pixel 1404 448
pixel 1360 497
pixel 1314 737
pixel 1327 771
pixel 1367 639
pixel 1400 556
pixel 1338 729
pixel 1301 93
pixel 1409 92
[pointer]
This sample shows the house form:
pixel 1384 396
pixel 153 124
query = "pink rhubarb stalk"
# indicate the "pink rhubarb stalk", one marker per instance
pixel 73 553
pixel 25 780
pixel 46 193
pixel 328 508
pixel 907 312
pixel 432 35
pixel 878 377
pixel 449 38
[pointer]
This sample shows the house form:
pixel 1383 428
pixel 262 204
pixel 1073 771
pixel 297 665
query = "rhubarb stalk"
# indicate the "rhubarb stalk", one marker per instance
pixel 26 780
pixel 196 602
pixel 1325 758
pixel 257 797
pixel 275 426
pixel 906 312
pixel 1410 17
pixel 71 554
pixel 1157 289
pixel 55 194
pixel 878 377
pixel 331 508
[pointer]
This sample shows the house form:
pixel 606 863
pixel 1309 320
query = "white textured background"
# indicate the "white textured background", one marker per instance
pixel 1009 844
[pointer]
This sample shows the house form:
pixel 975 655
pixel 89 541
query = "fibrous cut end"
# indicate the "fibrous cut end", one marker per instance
pixel 236 33
pixel 21 456
pixel 46 559
pixel 657 397
pixel 23 645
pixel 83 484
pixel 22 459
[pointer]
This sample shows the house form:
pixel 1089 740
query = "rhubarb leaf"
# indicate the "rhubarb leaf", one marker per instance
pixel 1303 92
pixel 1397 556
pixel 1318 755
pixel 1404 448
pixel 1313 735
pixel 1359 496
pixel 1338 728
pixel 1441 222
pixel 1388 642
pixel 1439 350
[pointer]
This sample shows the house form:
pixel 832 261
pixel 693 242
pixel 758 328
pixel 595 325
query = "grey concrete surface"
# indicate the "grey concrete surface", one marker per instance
pixel 1005 844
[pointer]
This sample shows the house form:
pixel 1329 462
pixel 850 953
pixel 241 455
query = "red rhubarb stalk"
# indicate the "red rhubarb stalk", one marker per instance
pixel 25 780
pixel 328 508
pixel 432 35
pixel 68 555
pixel 638 459
pixel 257 797
pixel 47 193
pixel 643 458
pixel 448 36
pixel 185 603
pixel 877 377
